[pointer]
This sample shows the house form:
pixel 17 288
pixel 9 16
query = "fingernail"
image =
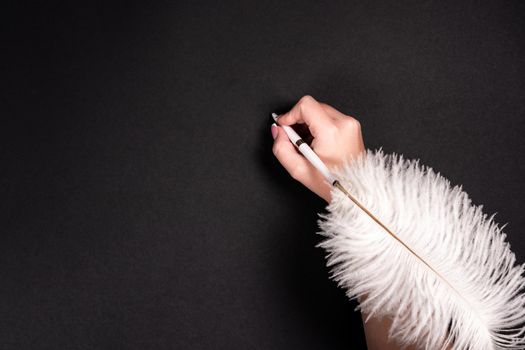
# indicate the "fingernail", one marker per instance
pixel 274 130
pixel 275 116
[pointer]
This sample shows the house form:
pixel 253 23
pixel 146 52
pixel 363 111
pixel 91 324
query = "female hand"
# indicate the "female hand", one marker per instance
pixel 336 137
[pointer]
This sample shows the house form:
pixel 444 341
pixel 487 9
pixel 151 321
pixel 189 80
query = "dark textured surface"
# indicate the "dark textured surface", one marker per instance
pixel 142 207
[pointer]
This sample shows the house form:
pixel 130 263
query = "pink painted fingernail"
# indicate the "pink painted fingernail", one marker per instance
pixel 274 130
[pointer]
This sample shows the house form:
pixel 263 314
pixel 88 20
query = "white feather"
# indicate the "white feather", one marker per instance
pixel 471 298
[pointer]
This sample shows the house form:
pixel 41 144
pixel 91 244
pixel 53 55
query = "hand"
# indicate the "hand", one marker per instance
pixel 336 137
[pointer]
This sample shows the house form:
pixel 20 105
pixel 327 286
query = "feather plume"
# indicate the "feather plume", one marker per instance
pixel 462 287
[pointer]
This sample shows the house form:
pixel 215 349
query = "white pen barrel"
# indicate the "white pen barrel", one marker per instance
pixel 316 162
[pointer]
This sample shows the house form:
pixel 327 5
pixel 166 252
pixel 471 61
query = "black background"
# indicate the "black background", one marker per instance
pixel 142 207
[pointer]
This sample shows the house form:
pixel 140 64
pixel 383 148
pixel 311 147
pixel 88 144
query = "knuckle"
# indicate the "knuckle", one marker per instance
pixel 351 123
pixel 306 100
pixel 276 149
pixel 298 173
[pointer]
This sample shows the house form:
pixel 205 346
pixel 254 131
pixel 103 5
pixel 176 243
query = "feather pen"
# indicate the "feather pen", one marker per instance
pixel 442 272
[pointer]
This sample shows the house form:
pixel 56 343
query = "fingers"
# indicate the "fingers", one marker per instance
pixel 308 111
pixel 291 160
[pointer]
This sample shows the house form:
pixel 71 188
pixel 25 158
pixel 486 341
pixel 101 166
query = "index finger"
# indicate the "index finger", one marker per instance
pixel 307 110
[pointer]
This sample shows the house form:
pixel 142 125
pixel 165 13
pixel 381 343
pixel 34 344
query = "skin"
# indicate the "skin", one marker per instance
pixel 336 137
